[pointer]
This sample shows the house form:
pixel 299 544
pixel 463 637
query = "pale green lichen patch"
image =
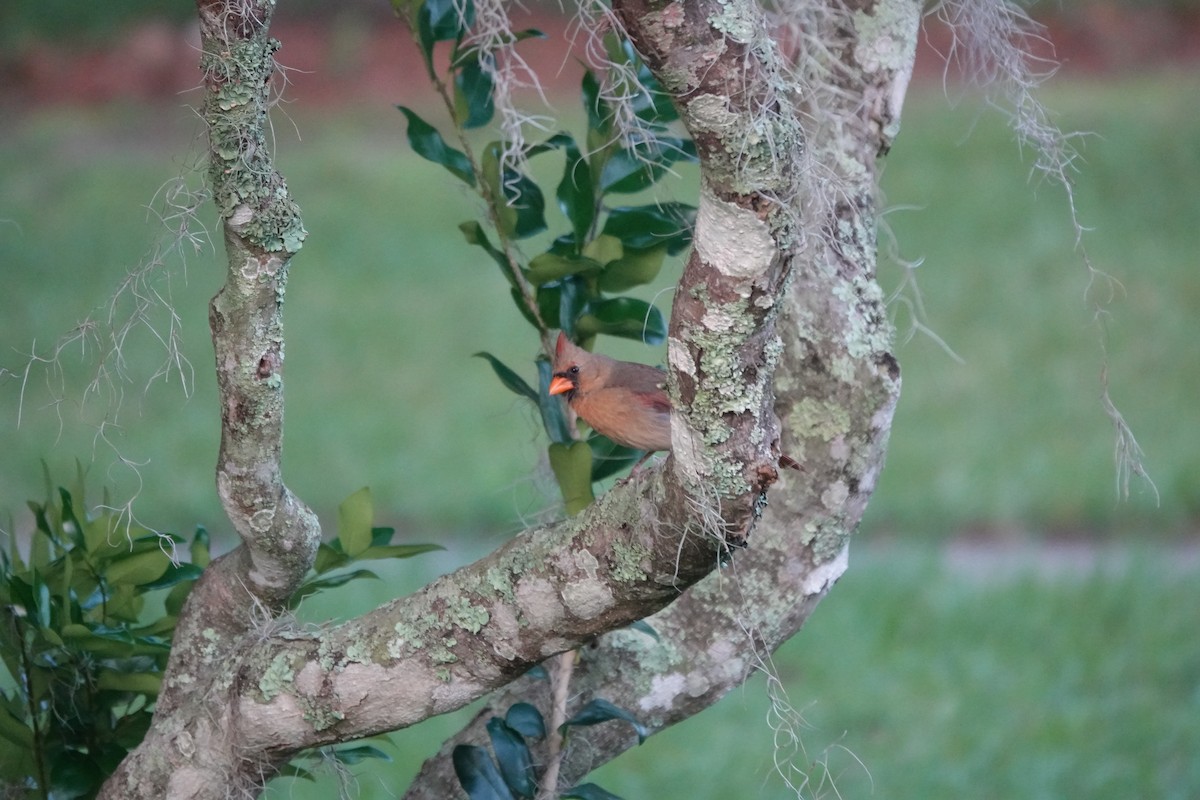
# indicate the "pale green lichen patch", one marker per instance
pixel 823 419
pixel 466 615
pixel 276 677
pixel 887 38
pixel 629 562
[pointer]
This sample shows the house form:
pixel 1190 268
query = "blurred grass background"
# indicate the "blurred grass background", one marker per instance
pixel 942 680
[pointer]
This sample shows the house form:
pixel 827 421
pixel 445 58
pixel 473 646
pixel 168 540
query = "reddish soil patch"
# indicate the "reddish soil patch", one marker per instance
pixel 354 58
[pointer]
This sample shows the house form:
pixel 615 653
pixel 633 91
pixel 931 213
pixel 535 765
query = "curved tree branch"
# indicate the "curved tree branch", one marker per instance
pixel 836 389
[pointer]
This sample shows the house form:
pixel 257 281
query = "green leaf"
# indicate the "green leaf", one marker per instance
pixel 512 755
pixel 477 774
pixel 449 19
pixel 511 380
pixel 136 568
pixel 604 249
pixel 599 114
pixel 429 144
pixel 357 754
pixel 526 720
pixel 439 21
pixel 329 556
pixel 473 103
pixel 626 317
pixel 15 730
pixel 572 467
pixel 381 551
pixel 149 683
pixel 200 555
pixel 520 207
pixel 635 268
pixel 644 627
pixel 576 192
pixel 176 573
pixel 599 711
pixel 549 267
pixel 589 791
pixel 609 458
pixel 75 776
pixel 642 227
pixel 355 516
pixel 638 168
pixel 561 301
pixel 315 585
pixel 551 406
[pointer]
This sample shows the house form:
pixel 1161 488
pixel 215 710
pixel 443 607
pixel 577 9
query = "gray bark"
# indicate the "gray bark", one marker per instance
pixel 778 332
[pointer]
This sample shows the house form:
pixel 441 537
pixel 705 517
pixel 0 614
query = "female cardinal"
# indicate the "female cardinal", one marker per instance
pixel 623 400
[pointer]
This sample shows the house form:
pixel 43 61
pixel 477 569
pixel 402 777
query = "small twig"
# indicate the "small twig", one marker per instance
pixel 560 683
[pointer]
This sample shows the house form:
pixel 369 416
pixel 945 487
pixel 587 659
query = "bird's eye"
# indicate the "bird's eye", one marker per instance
pixel 574 370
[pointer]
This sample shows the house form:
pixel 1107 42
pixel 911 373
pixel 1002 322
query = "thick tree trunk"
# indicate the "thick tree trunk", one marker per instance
pixel 778 331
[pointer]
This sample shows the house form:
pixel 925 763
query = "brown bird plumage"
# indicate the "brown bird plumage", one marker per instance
pixel 623 400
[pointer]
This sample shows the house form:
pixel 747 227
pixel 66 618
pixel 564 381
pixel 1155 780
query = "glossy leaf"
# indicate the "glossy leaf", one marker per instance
pixel 14 730
pixel 589 791
pixel 473 102
pixel 599 114
pixel 632 170
pixel 644 627
pixel 329 557
pixel 572 467
pixel 176 573
pixel 554 418
pixel 526 720
pixel 355 515
pixel 643 227
pixel 75 776
pixel 576 191
pixel 626 317
pixel 357 754
pixel 604 249
pixel 609 458
pixel 138 682
pixel 429 144
pixel 549 267
pixel 599 710
pixel 379 552
pixel 439 21
pixel 634 268
pixel 520 206
pixel 199 554
pixel 477 774
pixel 511 380
pixel 513 758
pixel 315 585
pixel 561 301
pixel 138 568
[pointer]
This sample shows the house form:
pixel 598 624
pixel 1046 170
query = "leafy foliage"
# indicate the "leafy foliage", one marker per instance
pixel 86 621
pixel 512 774
pixel 85 664
pixel 575 284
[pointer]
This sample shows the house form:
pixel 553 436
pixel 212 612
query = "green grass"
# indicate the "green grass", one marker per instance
pixel 920 680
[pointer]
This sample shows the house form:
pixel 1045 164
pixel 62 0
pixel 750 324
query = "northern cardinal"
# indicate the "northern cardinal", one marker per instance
pixel 623 400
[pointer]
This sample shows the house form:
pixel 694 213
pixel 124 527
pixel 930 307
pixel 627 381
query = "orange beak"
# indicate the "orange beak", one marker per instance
pixel 561 385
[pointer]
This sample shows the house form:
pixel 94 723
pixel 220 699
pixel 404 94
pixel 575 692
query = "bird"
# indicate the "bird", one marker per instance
pixel 623 400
